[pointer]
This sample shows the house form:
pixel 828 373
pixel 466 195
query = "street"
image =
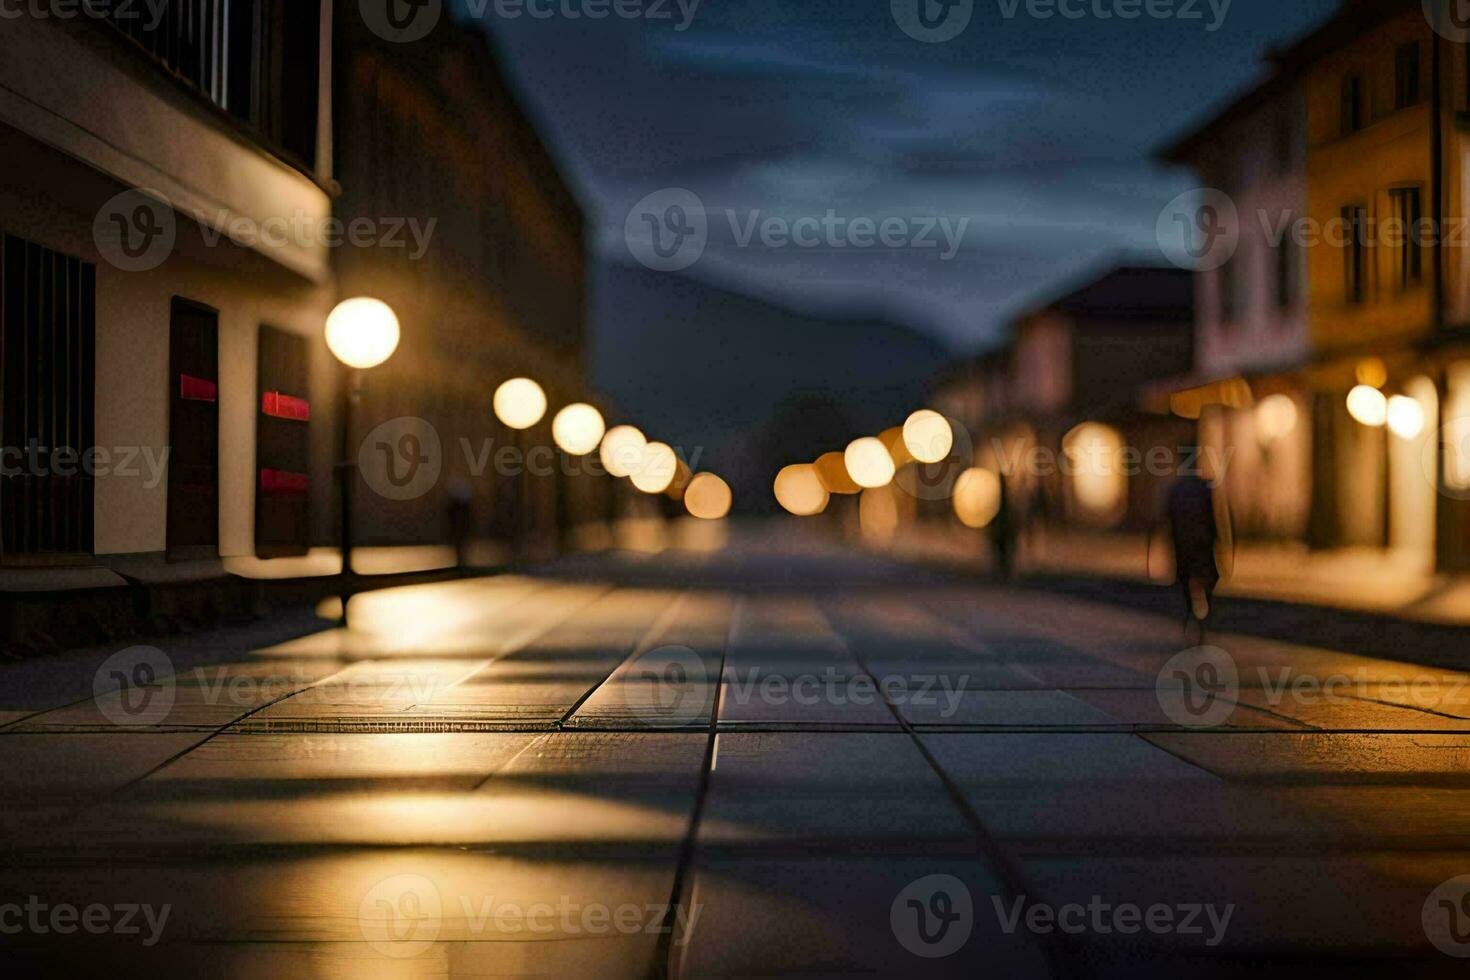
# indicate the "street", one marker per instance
pixel 778 759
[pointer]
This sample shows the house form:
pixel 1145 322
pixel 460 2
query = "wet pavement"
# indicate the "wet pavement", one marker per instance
pixel 757 762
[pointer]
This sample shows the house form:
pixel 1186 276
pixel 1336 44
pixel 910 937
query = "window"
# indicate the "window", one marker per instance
pixel 256 59
pixel 1355 228
pixel 1406 75
pixel 1286 274
pixel 1408 245
pixel 1352 104
pixel 47 326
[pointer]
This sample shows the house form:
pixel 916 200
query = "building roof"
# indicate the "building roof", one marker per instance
pixel 1132 293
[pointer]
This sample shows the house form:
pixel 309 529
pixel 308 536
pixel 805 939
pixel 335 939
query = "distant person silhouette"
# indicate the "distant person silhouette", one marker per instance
pixel 1195 533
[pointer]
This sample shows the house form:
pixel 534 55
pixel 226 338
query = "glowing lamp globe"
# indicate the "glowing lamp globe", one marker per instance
pixel 577 429
pixel 1405 417
pixel 520 403
pixel 799 490
pixel 869 463
pixel 708 497
pixel 927 436
pixel 656 468
pixel 362 333
pixel 622 450
pixel 1368 405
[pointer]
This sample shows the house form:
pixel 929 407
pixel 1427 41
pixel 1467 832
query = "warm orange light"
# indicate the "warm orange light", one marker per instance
pixel 927 436
pixel 832 471
pixel 362 333
pixel 1372 372
pixel 869 463
pixel 892 440
pixel 878 514
pixel 622 449
pixel 680 483
pixel 1405 417
pixel 656 468
pixel 520 403
pixel 977 497
pixel 708 497
pixel 1276 418
pixel 1368 406
pixel 800 492
pixel 577 429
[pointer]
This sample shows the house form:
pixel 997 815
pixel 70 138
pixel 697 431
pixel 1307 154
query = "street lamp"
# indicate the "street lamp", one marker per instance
pixel 577 430
pixel 519 404
pixel 361 333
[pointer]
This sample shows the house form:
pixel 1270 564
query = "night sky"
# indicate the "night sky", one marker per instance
pixel 1038 131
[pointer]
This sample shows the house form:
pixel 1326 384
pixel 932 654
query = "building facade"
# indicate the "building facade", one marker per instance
pixel 188 194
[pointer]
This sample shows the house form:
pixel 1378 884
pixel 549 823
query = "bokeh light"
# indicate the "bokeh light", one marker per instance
pixel 622 449
pixel 363 332
pixel 1405 417
pixel 520 403
pixel 708 497
pixel 577 429
pixel 928 436
pixel 869 463
pixel 656 468
pixel 977 497
pixel 1368 405
pixel 1276 418
pixel 799 490
pixel 832 471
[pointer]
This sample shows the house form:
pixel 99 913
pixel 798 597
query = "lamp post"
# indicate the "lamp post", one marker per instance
pixel 577 430
pixel 519 404
pixel 361 333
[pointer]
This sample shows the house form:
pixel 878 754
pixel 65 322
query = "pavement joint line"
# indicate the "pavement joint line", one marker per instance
pixel 1059 952
pixel 661 967
pixel 657 629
